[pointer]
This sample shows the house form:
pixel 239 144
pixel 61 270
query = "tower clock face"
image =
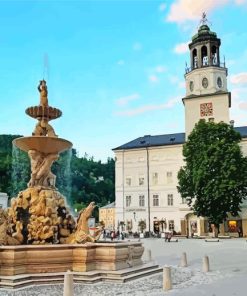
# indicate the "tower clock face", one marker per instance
pixel 205 82
pixel 219 82
pixel 206 109
pixel 191 85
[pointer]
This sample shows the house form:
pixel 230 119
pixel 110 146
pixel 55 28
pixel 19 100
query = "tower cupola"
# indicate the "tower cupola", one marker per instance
pixel 204 48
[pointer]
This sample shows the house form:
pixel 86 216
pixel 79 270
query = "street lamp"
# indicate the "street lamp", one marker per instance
pixel 134 213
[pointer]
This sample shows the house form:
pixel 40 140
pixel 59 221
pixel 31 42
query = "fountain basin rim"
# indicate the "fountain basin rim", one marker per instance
pixel 43 144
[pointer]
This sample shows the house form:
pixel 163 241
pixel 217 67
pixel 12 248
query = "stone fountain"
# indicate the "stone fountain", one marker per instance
pixel 39 237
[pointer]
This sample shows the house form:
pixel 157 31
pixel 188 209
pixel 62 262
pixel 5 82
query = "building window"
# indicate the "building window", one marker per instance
pixel 171 225
pixel 184 200
pixel 169 177
pixel 155 178
pixel 128 201
pixel 141 181
pixel 128 181
pixel 155 200
pixel 170 199
pixel 141 201
pixel 211 119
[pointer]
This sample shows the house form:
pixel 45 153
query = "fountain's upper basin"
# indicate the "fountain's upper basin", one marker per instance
pixel 47 112
pixel 42 144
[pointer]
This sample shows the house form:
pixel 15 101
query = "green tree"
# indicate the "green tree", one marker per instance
pixel 14 166
pixel 214 178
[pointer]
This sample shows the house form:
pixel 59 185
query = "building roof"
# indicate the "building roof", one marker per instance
pixel 165 140
pixel 204 33
pixel 109 206
pixel 151 141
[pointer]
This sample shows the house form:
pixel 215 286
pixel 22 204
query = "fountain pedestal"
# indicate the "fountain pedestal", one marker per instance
pixel 29 259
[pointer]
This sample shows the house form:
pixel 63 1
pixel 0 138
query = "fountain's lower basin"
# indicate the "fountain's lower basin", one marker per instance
pixel 43 144
pixel 29 259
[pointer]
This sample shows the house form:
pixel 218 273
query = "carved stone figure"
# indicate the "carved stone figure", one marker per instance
pixel 43 93
pixel 5 230
pixel 43 128
pixel 41 174
pixel 81 234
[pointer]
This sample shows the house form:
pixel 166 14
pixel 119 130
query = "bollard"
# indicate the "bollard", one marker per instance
pixel 205 264
pixel 68 288
pixel 167 281
pixel 149 255
pixel 183 262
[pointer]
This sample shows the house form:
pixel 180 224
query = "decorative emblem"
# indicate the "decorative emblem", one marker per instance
pixel 219 82
pixel 191 85
pixel 206 109
pixel 205 82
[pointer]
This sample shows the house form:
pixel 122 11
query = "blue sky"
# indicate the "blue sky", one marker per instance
pixel 115 68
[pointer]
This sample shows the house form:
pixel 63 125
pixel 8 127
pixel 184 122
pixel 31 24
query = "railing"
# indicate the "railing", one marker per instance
pixel 220 65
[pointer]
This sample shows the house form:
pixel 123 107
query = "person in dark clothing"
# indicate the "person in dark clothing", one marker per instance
pixel 240 231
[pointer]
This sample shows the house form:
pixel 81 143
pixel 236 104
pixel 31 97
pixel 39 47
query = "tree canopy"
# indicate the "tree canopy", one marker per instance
pixel 214 178
pixel 80 179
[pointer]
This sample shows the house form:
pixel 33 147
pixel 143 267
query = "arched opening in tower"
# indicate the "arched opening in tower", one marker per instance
pixel 204 55
pixel 195 58
pixel 214 58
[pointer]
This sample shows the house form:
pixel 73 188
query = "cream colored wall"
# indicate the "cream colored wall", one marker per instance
pixel 211 73
pixel 192 110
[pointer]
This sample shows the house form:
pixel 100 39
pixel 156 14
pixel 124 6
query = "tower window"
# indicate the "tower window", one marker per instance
pixel 214 59
pixel 204 52
pixel 195 59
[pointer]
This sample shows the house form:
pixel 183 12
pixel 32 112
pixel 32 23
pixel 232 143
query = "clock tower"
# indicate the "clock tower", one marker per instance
pixel 207 96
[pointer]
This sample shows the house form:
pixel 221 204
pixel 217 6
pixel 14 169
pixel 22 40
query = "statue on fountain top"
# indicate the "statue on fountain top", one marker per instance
pixel 43 93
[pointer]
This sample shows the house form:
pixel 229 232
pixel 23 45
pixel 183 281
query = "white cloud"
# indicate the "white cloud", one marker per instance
pixel 153 78
pixel 174 79
pixel 187 10
pixel 137 46
pixel 240 78
pixel 121 62
pixel 160 69
pixel 146 108
pixel 182 84
pixel 123 101
pixel 181 48
pixel 162 6
pixel 243 106
pixel 240 2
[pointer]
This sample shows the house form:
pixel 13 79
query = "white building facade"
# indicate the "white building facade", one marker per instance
pixel 147 167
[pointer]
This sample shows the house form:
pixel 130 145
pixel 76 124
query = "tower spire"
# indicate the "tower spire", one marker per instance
pixel 204 21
